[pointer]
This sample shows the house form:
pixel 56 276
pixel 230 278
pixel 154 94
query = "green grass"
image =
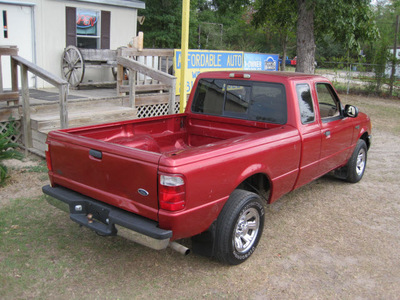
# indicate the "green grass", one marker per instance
pixel 43 254
pixel 41 168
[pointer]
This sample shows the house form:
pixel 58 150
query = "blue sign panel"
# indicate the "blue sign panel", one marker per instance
pixel 203 59
pixel 261 62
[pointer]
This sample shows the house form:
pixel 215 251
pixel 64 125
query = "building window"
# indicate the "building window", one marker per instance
pixel 5 28
pixel 87 29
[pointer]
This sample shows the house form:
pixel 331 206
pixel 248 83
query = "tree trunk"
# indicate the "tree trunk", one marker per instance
pixel 305 38
pixel 284 50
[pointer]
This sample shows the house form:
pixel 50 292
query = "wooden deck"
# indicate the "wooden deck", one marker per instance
pixel 85 107
pixel 148 91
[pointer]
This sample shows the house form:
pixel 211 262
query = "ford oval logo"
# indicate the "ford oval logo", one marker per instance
pixel 143 192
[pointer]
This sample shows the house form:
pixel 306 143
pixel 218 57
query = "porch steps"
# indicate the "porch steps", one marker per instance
pixel 45 118
pixel 97 115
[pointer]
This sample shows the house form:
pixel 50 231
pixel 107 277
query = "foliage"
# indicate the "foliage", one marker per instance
pixel 7 149
pixel 278 18
pixel 382 57
pixel 214 24
pixel 346 22
pixel 162 25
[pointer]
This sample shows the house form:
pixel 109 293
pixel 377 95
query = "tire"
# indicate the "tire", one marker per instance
pixel 239 227
pixel 357 162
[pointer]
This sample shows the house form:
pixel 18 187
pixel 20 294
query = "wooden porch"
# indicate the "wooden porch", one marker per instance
pixel 144 92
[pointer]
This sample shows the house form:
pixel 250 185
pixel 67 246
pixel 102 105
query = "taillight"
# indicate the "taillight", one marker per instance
pixel 171 192
pixel 239 75
pixel 48 158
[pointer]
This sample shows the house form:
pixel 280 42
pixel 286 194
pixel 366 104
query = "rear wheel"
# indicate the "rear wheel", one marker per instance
pixel 239 227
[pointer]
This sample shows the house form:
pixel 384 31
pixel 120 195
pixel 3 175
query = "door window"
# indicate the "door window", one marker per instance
pixel 329 105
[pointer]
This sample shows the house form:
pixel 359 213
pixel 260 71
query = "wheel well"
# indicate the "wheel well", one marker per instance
pixel 259 184
pixel 366 139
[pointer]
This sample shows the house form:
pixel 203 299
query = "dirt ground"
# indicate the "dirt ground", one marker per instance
pixel 326 240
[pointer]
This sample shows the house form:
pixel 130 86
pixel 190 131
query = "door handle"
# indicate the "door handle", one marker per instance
pixel 327 133
pixel 96 154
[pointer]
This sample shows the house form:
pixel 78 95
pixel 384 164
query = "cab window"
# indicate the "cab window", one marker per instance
pixel 329 105
pixel 306 106
pixel 250 100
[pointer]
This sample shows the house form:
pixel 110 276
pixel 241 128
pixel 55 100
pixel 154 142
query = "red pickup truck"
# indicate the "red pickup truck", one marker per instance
pixel 245 139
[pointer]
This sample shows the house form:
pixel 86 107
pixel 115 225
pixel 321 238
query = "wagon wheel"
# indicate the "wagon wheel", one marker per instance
pixel 73 66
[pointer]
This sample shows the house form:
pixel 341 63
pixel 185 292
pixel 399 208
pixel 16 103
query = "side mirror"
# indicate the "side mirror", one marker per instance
pixel 350 111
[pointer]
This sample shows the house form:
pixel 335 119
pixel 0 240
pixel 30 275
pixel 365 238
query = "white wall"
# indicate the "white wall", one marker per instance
pixel 50 33
pixel 20 33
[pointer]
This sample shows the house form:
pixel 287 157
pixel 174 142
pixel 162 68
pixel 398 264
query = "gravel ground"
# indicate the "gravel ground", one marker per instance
pixel 327 240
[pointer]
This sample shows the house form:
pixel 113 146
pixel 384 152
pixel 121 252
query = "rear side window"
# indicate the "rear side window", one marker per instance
pixel 307 114
pixel 255 101
pixel 268 103
pixel 209 97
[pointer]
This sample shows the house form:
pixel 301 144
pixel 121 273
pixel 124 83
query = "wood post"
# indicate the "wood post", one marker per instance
pixel 63 93
pixel 132 88
pixel 26 109
pixel 1 77
pixel 14 75
pixel 171 101
pixel 120 74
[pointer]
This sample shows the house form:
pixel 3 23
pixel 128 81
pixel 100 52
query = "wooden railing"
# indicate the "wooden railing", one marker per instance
pixel 62 85
pixel 10 96
pixel 148 70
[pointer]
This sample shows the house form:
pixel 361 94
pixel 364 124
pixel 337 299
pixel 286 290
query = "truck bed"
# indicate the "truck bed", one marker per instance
pixel 170 134
pixel 111 162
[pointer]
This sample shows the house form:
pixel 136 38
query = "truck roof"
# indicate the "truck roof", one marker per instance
pixel 257 75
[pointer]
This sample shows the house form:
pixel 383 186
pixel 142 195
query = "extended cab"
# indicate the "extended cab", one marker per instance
pixel 245 139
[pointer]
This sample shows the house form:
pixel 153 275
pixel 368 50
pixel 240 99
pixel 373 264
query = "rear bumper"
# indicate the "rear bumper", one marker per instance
pixel 106 219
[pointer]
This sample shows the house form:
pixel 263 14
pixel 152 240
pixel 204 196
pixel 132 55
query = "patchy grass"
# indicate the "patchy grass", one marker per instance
pixel 326 240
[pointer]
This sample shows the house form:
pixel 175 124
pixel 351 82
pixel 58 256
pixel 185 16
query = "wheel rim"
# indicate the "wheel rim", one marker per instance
pixel 246 230
pixel 73 66
pixel 360 162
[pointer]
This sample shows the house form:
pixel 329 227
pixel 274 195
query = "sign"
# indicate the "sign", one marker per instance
pixel 261 62
pixel 203 61
pixel 209 60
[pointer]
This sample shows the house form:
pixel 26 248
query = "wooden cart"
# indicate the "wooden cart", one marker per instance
pixel 76 60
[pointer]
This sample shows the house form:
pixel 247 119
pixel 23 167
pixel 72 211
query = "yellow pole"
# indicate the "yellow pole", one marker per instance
pixel 184 52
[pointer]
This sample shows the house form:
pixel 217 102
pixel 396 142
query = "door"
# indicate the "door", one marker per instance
pixel 17 29
pixel 336 130
pixel 310 132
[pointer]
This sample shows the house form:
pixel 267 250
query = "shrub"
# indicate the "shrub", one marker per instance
pixel 7 149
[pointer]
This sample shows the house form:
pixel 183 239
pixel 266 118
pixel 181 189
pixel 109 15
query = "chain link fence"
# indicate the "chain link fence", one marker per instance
pixel 361 77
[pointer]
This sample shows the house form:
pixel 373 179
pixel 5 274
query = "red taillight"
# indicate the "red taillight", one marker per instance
pixel 239 75
pixel 171 192
pixel 48 158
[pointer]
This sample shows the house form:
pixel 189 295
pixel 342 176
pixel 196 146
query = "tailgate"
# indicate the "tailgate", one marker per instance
pixel 120 176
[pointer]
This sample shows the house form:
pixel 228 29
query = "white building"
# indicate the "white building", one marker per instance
pixel 43 28
pixel 388 70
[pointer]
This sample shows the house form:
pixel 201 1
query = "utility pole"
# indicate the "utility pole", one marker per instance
pixel 394 62
pixel 184 53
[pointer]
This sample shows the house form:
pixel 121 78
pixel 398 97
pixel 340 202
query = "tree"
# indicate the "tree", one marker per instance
pixel 232 19
pixel 348 21
pixel 278 17
pixel 162 25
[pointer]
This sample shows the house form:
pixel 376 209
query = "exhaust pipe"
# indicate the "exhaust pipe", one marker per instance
pixel 179 248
